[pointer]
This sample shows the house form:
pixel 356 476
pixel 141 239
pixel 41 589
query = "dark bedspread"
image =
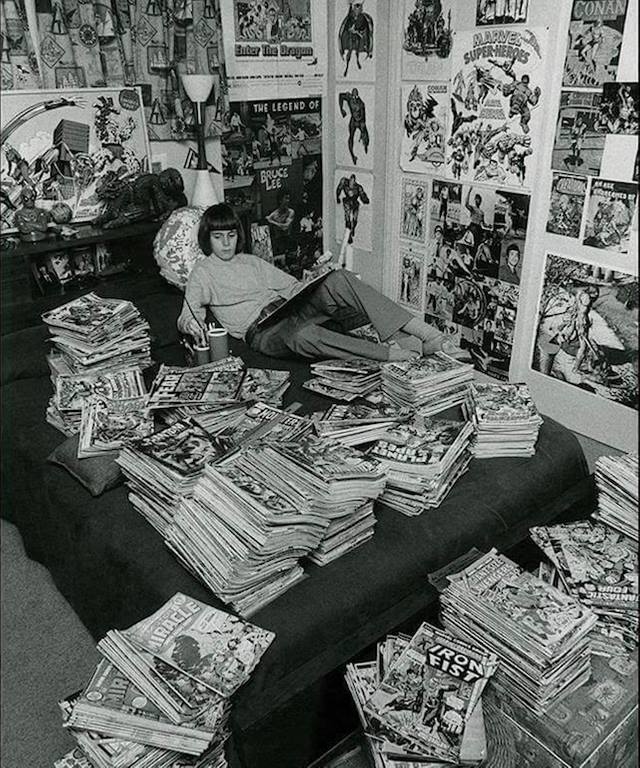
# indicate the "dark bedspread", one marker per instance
pixel 114 569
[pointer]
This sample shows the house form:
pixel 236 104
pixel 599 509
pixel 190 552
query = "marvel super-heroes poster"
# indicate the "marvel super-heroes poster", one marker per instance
pixel 496 105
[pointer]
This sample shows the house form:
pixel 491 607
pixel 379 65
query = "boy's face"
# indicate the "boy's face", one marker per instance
pixel 223 243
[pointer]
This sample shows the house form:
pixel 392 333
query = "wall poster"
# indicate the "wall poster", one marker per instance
pixel 354 125
pixel 427 36
pixel 578 144
pixel 504 12
pixel 65 143
pixel 424 121
pixel 410 278
pixel 353 192
pixel 566 204
pixel 496 106
pixel 586 333
pixel 473 267
pixel 272 169
pixel 595 39
pixel 619 109
pixel 275 48
pixel 610 211
pixel 413 209
pixel 354 36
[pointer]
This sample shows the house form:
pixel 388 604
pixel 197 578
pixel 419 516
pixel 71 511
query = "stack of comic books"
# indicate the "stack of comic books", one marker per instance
pixel 107 424
pixel 344 379
pixel 598 566
pixel 73 391
pixel 161 695
pixel 95 334
pixel 259 422
pixel 420 701
pixel 506 420
pixel 341 482
pixel 164 466
pixel 617 481
pixel 243 533
pixel 539 634
pixel 422 460
pixel 358 423
pixel 211 417
pixel 430 384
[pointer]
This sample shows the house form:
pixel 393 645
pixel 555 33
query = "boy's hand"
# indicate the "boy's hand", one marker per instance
pixel 193 328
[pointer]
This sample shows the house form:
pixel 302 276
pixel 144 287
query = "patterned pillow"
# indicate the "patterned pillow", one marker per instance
pixel 176 247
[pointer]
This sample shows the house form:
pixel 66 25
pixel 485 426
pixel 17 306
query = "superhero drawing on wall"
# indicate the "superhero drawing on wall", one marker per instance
pixel 351 125
pixel 595 38
pixel 427 38
pixel 355 36
pixel 413 212
pixel 424 126
pixel 352 194
pixel 495 119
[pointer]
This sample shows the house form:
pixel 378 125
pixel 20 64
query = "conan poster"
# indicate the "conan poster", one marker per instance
pixel 424 121
pixel 496 105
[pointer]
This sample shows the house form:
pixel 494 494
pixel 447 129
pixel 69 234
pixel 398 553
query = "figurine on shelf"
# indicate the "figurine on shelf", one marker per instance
pixel 149 196
pixel 32 222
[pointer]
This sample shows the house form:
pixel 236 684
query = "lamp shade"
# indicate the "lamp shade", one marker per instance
pixel 198 87
pixel 176 248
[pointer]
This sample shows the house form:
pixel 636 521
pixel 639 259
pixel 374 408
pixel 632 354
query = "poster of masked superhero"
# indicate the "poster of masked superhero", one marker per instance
pixel 425 108
pixel 413 209
pixel 355 27
pixel 495 121
pixel 595 39
pixel 426 39
pixel 610 211
pixel 354 122
pixel 353 192
pixel 410 278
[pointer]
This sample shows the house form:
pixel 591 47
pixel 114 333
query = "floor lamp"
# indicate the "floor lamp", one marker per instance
pixel 198 88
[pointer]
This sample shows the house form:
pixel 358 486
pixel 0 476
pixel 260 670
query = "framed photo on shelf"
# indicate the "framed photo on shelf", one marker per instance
pixel 64 143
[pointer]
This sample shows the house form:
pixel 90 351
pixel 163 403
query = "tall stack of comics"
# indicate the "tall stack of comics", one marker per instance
pixel 420 700
pixel 161 695
pixel 539 634
pixel 617 481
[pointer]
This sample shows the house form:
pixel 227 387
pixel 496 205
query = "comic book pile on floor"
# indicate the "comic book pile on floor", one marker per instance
pixel 162 693
pixel 421 699
pixel 506 420
pixel 617 481
pixel 344 379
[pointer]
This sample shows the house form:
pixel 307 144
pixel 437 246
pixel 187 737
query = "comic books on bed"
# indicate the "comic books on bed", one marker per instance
pixel 539 634
pixel 430 384
pixel 598 566
pixel 160 697
pixel 107 424
pixel 73 391
pixel 91 333
pixel 422 460
pixel 358 423
pixel 506 420
pixel 344 379
pixel 258 422
pixel 617 482
pixel 414 712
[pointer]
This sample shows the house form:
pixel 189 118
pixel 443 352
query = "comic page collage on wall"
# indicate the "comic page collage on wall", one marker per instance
pixel 471 123
pixel 272 134
pixel 355 55
pixel 586 333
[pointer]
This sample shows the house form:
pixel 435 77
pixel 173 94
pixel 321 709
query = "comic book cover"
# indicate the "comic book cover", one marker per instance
pixel 413 209
pixel 107 424
pixel 610 210
pixel 359 414
pixel 263 384
pixel 410 278
pixel 183 447
pixel 355 110
pixel 595 38
pixel 424 126
pixel 578 145
pixel 503 402
pixel 215 648
pixel 430 691
pixel 619 109
pixel 417 369
pixel 71 391
pixel 586 328
pixel 599 565
pixel 321 388
pixel 496 106
pixel 260 420
pixel 211 382
pixel 490 12
pixel 329 459
pixel 566 205
pixel 354 36
pixel 86 313
pixel 428 29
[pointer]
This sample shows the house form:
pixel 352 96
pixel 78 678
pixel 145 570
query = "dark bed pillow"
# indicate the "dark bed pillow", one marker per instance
pixel 97 473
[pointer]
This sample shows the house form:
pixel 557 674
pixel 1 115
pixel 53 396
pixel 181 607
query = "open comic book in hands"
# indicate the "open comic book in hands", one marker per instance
pixel 430 691
pixel 278 309
pixel 215 648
